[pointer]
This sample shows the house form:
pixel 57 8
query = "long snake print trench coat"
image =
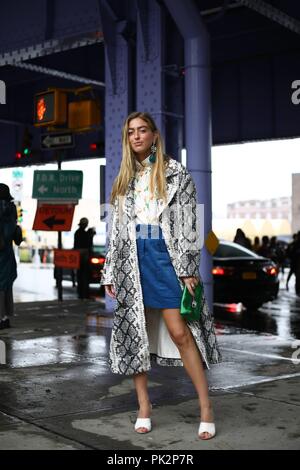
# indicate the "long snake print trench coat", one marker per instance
pixel 139 334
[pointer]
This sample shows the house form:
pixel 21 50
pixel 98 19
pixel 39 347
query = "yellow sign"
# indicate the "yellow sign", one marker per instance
pixel 212 242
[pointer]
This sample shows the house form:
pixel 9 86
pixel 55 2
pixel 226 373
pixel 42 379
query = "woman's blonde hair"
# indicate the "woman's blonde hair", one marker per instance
pixel 128 165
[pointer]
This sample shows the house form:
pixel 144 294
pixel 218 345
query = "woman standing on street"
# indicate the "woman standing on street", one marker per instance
pixel 151 256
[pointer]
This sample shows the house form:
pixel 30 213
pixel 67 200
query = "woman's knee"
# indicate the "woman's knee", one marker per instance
pixel 180 336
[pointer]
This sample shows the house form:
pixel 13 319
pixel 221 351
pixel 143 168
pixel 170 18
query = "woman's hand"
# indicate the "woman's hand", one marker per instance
pixel 190 283
pixel 110 290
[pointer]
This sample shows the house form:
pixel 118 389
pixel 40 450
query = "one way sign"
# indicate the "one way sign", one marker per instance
pixel 54 217
pixel 57 141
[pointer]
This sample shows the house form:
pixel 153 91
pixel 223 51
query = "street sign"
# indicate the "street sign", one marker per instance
pixel 212 242
pixel 67 259
pixel 57 141
pixel 57 184
pixel 54 217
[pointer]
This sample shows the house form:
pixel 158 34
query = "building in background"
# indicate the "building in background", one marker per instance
pixel 256 217
pixel 276 208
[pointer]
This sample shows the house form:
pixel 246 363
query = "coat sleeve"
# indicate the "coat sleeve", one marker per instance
pixel 112 248
pixel 188 229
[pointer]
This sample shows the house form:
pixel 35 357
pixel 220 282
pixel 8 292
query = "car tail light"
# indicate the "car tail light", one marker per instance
pixel 219 271
pixel 234 308
pixel 271 270
pixel 97 260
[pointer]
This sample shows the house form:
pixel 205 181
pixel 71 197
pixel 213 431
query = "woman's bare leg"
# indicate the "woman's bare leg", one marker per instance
pixel 191 358
pixel 141 387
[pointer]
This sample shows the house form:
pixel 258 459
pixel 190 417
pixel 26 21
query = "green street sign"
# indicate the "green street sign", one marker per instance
pixel 57 184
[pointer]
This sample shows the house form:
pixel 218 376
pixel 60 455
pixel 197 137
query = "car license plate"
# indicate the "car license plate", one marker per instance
pixel 249 275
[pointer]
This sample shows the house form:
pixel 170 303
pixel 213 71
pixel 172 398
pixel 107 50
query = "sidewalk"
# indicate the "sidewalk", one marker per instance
pixel 58 393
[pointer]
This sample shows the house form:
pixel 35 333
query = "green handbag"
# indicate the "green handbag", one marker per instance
pixel 190 308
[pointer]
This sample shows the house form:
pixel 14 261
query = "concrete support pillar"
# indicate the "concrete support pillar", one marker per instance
pixel 197 115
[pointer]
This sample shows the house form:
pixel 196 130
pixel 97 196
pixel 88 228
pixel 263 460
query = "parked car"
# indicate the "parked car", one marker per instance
pixel 240 275
pixel 96 262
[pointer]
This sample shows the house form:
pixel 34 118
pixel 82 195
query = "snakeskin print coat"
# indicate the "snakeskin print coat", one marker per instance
pixel 139 334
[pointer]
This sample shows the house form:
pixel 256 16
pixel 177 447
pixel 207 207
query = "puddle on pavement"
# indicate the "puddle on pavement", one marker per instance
pixel 55 349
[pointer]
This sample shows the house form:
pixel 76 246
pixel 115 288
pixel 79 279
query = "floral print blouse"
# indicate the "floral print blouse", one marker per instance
pixel 147 207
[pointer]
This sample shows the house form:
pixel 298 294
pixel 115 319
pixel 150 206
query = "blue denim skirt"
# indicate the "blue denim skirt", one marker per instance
pixel 160 286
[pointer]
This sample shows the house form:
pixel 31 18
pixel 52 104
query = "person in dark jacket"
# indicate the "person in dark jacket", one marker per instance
pixel 265 249
pixel 295 259
pixel 8 266
pixel 83 241
pixel 289 254
pixel 241 239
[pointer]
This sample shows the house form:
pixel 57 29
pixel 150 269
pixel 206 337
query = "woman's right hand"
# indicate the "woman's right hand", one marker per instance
pixel 110 290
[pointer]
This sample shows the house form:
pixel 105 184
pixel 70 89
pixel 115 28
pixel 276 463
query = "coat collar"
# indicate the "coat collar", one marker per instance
pixel 144 164
pixel 171 170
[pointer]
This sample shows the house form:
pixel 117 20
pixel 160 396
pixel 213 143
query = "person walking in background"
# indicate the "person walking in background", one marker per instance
pixel 8 267
pixel 91 233
pixel 289 254
pixel 241 239
pixel 265 250
pixel 295 261
pixel 83 241
pixel 278 253
pixel 273 249
pixel 256 245
pixel 149 260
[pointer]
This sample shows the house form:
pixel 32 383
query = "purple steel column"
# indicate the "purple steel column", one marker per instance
pixel 197 115
pixel 117 99
pixel 149 61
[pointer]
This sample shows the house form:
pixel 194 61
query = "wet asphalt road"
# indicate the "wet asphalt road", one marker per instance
pixel 57 391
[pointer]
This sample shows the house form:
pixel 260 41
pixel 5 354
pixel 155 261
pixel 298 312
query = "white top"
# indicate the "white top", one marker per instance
pixel 147 207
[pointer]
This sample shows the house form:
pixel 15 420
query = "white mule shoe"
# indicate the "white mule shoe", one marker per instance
pixel 210 428
pixel 143 423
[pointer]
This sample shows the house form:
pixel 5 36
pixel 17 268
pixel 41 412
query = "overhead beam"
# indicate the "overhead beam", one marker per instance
pixel 50 47
pixel 273 14
pixel 59 74
pixel 212 11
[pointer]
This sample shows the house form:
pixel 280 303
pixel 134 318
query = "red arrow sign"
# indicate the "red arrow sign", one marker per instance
pixel 54 217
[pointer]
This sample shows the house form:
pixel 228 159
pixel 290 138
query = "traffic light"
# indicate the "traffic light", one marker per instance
pixel 19 214
pixel 26 147
pixel 97 147
pixel 27 143
pixel 50 108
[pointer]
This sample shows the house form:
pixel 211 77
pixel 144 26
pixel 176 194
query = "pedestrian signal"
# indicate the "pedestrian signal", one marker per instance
pixel 50 108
